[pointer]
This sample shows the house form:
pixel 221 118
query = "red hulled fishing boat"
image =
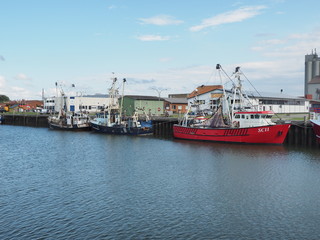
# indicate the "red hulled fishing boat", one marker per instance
pixel 231 123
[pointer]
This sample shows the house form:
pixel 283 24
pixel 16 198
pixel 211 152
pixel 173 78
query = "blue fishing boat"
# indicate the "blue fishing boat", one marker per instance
pixel 111 120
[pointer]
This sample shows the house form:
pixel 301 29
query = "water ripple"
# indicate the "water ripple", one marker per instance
pixel 61 185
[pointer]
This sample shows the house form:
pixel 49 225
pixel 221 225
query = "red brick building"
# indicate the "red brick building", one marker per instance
pixel 176 105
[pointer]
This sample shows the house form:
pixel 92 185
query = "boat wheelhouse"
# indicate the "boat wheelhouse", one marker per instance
pixel 253 119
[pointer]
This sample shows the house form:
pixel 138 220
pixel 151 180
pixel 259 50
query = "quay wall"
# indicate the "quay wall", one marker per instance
pixel 300 133
pixel 26 120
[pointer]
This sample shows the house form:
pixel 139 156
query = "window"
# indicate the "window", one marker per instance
pixel 200 102
pixel 213 102
pixel 237 116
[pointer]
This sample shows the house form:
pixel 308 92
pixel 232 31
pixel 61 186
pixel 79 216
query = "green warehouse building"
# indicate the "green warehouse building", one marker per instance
pixel 151 105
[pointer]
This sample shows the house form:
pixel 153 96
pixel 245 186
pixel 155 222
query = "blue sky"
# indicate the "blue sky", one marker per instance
pixel 167 46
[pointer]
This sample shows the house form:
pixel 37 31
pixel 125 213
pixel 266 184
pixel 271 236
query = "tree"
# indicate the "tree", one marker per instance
pixel 4 98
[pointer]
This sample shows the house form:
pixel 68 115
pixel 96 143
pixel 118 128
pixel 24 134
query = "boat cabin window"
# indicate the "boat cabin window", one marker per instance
pixel 243 116
pixel 269 116
pixel 237 116
pixel 256 116
pixel 252 116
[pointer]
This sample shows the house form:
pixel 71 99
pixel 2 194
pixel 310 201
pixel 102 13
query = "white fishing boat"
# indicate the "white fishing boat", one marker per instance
pixel 68 120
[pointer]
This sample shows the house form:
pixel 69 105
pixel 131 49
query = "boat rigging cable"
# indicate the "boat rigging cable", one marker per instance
pixel 238 71
pixel 257 91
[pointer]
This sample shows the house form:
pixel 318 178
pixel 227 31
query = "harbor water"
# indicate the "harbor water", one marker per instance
pixel 84 185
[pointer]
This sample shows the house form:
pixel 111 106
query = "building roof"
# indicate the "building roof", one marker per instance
pixel 177 100
pixel 272 95
pixel 204 89
pixel 315 80
pixel 97 95
pixel 150 98
pixel 14 106
pixel 178 95
pixel 33 103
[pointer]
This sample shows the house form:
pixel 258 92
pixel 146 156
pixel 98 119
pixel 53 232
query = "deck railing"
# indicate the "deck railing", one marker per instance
pixel 316 110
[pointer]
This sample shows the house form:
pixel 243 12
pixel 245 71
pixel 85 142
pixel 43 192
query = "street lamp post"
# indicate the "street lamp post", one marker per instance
pixel 159 90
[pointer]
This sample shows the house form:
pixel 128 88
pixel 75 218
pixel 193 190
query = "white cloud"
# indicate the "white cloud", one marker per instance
pixel 265 44
pixel 238 15
pixel 153 38
pixel 257 49
pixel 165 59
pixel 17 93
pixel 22 76
pixel 284 67
pixel 274 41
pixel 2 82
pixel 161 20
pixel 176 80
pixel 112 7
pixel 296 45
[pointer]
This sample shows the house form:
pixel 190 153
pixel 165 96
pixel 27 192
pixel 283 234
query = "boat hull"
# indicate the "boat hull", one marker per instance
pixel 272 134
pixel 316 128
pixel 121 130
pixel 57 126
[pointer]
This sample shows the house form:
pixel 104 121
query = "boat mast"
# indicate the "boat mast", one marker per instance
pixel 63 106
pixel 239 88
pixel 124 81
pixel 112 93
pixel 237 91
pixel 224 96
